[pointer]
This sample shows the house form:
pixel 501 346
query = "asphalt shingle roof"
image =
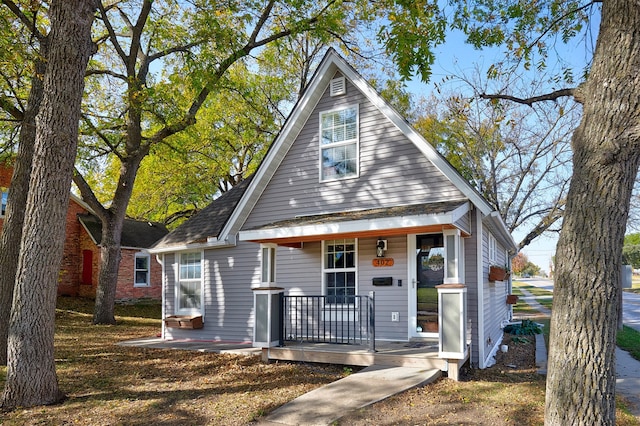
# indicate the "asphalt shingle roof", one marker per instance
pixel 135 233
pixel 208 222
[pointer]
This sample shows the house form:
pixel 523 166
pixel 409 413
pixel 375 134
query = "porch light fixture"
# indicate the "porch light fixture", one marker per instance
pixel 381 247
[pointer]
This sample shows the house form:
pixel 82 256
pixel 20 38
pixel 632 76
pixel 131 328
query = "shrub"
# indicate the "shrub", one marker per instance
pixel 526 328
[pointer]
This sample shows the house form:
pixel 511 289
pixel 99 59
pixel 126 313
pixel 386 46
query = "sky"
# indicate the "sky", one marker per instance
pixel 456 57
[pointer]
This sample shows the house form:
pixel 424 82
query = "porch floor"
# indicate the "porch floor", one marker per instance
pixel 420 354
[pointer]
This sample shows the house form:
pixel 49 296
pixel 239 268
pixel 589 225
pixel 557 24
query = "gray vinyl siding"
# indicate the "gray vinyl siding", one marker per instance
pixel 169 278
pixel 471 280
pixel 228 314
pixel 388 299
pixel 392 170
pixel 496 309
pixel 299 270
pixel 464 223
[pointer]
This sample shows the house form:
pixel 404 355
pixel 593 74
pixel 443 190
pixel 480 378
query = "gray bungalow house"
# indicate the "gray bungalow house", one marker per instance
pixel 353 231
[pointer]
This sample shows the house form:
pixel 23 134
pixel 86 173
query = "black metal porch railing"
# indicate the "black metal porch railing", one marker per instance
pixel 329 319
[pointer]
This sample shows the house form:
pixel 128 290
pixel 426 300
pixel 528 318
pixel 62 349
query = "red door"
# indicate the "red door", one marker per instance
pixel 87 267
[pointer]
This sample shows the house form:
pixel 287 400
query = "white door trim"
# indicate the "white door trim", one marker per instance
pixel 413 291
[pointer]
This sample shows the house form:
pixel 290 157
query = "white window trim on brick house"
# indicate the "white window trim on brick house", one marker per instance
pixel 136 270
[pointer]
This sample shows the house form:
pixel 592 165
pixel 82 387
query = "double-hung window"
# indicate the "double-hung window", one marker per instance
pixel 189 297
pixel 141 270
pixel 493 250
pixel 339 143
pixel 339 270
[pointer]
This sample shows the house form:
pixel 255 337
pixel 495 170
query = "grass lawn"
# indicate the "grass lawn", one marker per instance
pixel 544 297
pixel 107 384
pixel 629 340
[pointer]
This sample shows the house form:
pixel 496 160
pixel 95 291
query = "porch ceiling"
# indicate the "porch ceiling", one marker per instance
pixel 380 222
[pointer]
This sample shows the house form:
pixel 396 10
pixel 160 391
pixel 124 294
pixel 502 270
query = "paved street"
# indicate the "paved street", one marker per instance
pixel 630 301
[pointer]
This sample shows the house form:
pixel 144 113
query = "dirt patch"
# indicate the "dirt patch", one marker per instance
pixel 520 354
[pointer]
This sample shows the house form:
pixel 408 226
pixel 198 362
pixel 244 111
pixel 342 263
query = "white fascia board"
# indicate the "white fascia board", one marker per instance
pixel 141 249
pixel 82 203
pixel 229 242
pixel 503 233
pixel 425 147
pixel 281 145
pixel 459 212
pixel 88 233
pixel 346 227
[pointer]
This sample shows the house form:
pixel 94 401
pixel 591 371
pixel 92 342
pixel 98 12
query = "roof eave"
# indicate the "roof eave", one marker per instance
pixel 352 227
pixel 211 243
pixel 503 233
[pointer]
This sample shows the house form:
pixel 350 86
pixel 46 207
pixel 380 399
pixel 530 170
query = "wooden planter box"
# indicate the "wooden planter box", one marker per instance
pixel 512 299
pixel 183 321
pixel 497 274
pixel 431 327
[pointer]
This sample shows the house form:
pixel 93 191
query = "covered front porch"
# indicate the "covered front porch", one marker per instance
pixel 306 329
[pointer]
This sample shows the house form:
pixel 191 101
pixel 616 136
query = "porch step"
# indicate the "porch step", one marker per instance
pixel 363 358
pixel 327 404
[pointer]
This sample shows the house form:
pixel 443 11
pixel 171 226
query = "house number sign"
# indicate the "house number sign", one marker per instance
pixel 382 261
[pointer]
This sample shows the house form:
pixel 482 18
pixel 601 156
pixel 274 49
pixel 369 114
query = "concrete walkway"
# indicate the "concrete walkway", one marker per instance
pixel 327 404
pixel 627 367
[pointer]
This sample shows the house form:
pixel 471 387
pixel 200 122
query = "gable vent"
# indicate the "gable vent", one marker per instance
pixel 338 86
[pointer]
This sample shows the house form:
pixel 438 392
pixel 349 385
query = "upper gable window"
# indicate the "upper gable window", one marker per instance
pixel 339 143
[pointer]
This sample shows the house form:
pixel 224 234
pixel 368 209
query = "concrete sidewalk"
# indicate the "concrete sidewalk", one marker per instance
pixel 327 404
pixel 627 367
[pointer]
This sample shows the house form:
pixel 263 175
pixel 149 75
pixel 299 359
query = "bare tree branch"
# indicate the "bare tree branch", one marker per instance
pixel 112 148
pixel 106 72
pixel 28 22
pixel 11 109
pixel 88 196
pixel 185 48
pixel 189 118
pixel 530 101
pixel 560 19
pixel 113 37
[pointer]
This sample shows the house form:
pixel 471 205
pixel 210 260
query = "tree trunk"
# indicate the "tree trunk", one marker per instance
pixel 14 218
pixel 110 248
pixel 581 377
pixel 31 376
pixel 109 267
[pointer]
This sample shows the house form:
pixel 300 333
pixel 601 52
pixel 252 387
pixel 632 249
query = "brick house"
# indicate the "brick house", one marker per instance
pixel 139 276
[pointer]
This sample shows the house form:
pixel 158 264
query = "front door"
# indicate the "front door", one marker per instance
pixel 429 272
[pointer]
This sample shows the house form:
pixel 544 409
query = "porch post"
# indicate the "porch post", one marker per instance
pixel 267 313
pixel 452 308
pixel 372 321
